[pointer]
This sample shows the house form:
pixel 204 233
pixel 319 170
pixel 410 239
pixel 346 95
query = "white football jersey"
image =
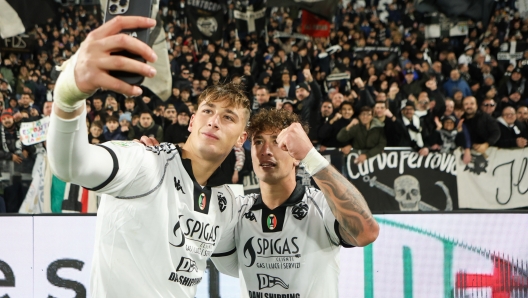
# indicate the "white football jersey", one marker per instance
pixel 290 251
pixel 156 227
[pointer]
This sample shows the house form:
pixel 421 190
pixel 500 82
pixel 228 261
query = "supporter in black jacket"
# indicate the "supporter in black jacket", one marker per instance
pixel 483 129
pixel 512 132
pixel 178 132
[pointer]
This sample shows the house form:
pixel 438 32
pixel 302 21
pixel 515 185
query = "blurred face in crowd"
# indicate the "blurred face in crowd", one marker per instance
pixel 365 117
pixel 215 77
pixel 47 108
pixel 24 100
pixel 437 67
pixel 408 112
pixel 96 131
pixel 515 76
pixel 288 107
pixel 98 104
pixel 455 75
pixel 522 114
pixel 470 106
pixel 175 92
pixel 301 93
pixel 379 110
pixel 281 93
pixel 337 100
pixel 450 107
pixel 145 120
pixel 170 113
pixel 448 125
pixel 382 96
pixel 327 109
pixel 185 95
pixel 347 111
pixel 458 96
pixel 129 105
pixel 423 101
pixel 262 96
pixel 183 119
pixel 488 106
pixel 8 121
pixel 112 125
pixel 509 115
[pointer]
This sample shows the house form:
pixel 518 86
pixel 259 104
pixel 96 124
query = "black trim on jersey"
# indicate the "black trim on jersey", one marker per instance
pixel 114 170
pixel 341 241
pixel 295 197
pixel 216 179
pixel 224 254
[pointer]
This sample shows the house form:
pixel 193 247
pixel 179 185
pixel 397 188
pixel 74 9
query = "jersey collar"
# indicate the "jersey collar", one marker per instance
pixel 216 178
pixel 295 197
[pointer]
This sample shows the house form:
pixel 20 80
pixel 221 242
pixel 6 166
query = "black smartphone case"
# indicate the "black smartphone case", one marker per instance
pixel 136 8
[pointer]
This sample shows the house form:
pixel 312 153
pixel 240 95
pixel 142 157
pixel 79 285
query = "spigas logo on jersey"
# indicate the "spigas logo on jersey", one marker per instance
pixel 271 222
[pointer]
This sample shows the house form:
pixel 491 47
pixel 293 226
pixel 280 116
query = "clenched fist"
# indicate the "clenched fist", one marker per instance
pixel 295 140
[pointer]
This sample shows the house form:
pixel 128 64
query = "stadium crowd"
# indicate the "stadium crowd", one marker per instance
pixel 376 81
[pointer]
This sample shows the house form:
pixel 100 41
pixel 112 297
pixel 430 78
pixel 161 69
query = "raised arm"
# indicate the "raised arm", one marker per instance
pixel 71 157
pixel 356 223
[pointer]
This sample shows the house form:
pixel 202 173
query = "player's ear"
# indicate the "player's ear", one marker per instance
pixel 241 139
pixel 191 123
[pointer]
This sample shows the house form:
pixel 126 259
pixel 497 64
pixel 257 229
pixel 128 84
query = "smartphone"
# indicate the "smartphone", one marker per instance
pixel 141 8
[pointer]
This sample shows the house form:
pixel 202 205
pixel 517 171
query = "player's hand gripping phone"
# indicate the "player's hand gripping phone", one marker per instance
pixel 141 8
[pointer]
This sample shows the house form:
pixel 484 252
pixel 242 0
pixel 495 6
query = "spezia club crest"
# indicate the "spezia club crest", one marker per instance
pixel 271 222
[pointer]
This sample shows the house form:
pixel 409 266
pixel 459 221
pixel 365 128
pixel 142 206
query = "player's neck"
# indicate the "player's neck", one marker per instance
pixel 202 168
pixel 274 195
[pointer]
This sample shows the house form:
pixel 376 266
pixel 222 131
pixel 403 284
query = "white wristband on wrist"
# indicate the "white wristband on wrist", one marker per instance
pixel 314 162
pixel 67 95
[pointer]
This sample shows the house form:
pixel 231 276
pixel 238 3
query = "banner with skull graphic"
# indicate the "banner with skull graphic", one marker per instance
pixel 205 18
pixel 402 180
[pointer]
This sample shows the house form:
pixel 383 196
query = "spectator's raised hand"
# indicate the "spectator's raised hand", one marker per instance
pixel 359 82
pixel 94 60
pixel 307 75
pixel 460 125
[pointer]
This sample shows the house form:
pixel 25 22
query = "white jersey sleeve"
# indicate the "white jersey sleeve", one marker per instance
pixel 330 222
pixel 136 169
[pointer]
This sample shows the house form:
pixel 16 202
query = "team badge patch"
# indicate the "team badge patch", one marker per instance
pixel 222 202
pixel 272 222
pixel 300 210
pixel 202 201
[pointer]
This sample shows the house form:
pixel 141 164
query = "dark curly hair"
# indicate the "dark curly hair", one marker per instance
pixel 272 120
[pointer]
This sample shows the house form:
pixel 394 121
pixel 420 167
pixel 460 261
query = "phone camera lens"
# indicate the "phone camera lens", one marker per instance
pixel 123 2
pixel 113 8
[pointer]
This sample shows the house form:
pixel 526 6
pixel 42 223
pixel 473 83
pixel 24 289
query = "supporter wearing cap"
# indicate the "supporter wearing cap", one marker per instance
pixel 169 116
pixel 415 133
pixel 125 122
pixel 177 133
pixel 309 96
pixel 411 86
pixel 514 91
pixel 467 57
